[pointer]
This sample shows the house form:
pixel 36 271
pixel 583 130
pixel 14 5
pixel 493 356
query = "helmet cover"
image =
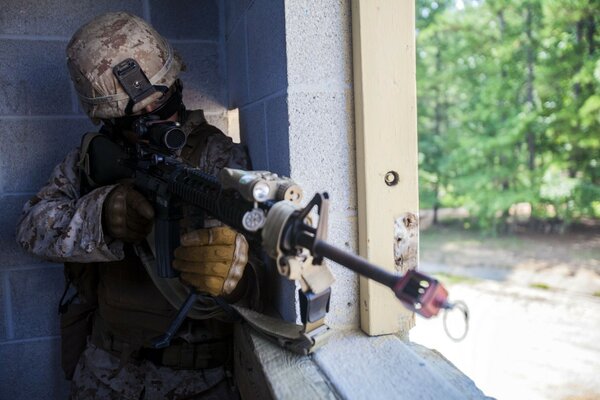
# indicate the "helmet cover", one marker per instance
pixel 107 40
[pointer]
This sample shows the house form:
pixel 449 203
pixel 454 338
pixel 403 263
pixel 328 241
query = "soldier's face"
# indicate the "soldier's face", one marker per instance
pixel 158 103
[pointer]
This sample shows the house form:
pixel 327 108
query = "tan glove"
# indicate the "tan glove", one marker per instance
pixel 127 215
pixel 212 260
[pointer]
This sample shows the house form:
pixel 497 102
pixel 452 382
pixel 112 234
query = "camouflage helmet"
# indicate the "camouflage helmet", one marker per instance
pixel 105 42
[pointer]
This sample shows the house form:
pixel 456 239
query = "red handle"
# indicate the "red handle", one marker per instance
pixel 421 293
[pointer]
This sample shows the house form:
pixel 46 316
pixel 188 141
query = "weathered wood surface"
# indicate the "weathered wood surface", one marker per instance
pixel 263 370
pixel 351 366
pixel 447 370
pixel 386 367
pixel 386 146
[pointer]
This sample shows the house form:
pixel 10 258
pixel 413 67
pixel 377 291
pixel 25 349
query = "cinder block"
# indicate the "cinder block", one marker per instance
pixel 12 254
pixel 319 43
pixel 35 294
pixel 253 134
pixel 344 309
pixel 237 66
pixel 266 48
pixel 32 148
pixel 186 19
pixel 203 85
pixel 321 143
pixel 322 147
pixel 234 10
pixel 56 18
pixel 277 135
pixel 3 310
pixel 32 370
pixel 34 78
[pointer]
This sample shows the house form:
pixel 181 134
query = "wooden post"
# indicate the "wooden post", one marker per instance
pixel 387 161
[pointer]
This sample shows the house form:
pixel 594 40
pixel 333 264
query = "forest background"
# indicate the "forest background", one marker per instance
pixel 509 110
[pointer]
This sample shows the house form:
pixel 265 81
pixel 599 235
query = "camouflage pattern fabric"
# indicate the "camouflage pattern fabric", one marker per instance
pixel 59 225
pixel 99 375
pixel 209 151
pixel 106 41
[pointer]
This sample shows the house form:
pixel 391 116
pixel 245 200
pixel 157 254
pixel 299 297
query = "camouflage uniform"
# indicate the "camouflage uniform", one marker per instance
pixel 99 376
pixel 60 225
pixel 119 297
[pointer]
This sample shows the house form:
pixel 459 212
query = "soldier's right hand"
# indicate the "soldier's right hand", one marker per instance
pixel 127 215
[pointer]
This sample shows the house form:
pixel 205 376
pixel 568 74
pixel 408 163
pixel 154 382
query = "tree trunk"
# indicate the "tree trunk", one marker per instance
pixel 437 129
pixel 591 31
pixel 436 204
pixel 530 82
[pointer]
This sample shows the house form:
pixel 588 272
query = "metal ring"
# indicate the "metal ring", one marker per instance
pixel 462 306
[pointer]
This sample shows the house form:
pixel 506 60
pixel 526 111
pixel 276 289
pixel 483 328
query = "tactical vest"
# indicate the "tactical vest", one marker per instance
pixel 125 307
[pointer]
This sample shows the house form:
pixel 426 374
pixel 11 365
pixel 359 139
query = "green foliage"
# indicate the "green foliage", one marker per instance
pixel 542 286
pixel 450 279
pixel 509 107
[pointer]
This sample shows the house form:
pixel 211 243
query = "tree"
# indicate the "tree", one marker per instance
pixel 509 107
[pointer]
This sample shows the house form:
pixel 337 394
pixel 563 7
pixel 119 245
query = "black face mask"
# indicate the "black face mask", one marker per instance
pixel 172 105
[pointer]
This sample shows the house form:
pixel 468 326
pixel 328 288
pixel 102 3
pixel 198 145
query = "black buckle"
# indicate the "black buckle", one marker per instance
pixel 314 307
pixel 135 83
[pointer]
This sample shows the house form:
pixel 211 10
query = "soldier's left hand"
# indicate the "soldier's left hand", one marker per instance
pixel 212 260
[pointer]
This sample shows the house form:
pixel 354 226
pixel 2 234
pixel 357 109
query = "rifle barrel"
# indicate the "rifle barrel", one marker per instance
pixel 354 262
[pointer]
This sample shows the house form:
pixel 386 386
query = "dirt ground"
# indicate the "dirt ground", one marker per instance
pixel 534 301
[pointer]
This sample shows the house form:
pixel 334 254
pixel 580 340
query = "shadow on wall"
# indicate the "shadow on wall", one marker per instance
pixel 255 49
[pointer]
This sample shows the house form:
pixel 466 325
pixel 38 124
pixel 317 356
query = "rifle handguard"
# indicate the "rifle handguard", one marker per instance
pixel 260 186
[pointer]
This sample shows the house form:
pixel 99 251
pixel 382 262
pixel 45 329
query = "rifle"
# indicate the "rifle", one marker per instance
pixel 261 205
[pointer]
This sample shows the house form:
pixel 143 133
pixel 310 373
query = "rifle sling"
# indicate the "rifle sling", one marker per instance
pixel 288 335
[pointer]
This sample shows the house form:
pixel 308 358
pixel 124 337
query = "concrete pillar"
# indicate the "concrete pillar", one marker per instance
pixel 255 41
pixel 321 128
pixel 289 73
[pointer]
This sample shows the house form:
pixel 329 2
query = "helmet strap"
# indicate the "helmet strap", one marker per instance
pixel 172 105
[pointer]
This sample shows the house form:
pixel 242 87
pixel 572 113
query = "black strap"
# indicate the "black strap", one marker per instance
pixel 63 305
pixel 135 83
pixel 233 315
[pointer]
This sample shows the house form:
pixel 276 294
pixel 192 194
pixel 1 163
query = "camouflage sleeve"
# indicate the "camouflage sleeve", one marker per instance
pixel 220 152
pixel 239 157
pixel 59 225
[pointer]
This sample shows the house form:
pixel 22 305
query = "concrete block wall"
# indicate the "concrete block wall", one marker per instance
pixel 257 86
pixel 321 129
pixel 289 71
pixel 257 79
pixel 40 119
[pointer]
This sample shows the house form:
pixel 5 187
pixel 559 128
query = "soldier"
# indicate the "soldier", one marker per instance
pixel 118 304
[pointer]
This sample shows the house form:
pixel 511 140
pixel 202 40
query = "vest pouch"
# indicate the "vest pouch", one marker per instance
pixel 75 327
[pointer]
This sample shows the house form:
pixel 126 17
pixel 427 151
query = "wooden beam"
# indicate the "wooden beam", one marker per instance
pixel 386 138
